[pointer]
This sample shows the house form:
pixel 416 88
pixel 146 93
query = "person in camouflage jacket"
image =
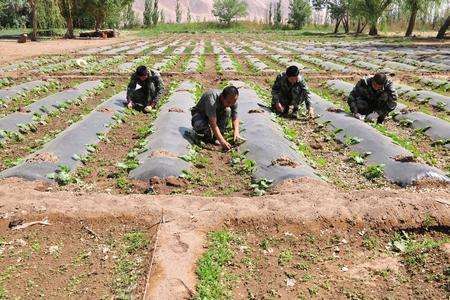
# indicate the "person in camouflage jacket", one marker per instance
pixel 150 89
pixel 290 90
pixel 374 94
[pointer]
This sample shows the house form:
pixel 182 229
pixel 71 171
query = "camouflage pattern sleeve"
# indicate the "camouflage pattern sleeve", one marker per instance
pixel 355 94
pixel 392 95
pixel 305 93
pixel 159 86
pixel 276 90
pixel 131 86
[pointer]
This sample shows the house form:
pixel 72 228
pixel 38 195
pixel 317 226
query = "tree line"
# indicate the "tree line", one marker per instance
pixel 350 15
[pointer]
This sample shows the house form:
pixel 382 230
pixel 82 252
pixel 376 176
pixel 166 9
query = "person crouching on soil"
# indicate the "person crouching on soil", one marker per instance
pixel 290 90
pixel 373 95
pixel 144 90
pixel 212 113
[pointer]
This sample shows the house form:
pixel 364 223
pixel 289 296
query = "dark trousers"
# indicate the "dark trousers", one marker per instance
pixel 139 98
pixel 364 108
pixel 200 124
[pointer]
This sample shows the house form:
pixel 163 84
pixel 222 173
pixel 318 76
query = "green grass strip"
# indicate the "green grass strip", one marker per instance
pixel 212 283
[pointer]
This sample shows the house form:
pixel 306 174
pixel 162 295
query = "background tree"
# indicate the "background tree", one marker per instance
pixel 14 13
pixel 444 27
pixel 103 10
pixel 188 15
pixel 66 8
pixel 178 12
pixel 156 13
pixel 130 19
pixel 33 7
pixel 372 10
pixel 270 15
pixel 162 16
pixel 227 10
pixel 299 13
pixel 278 16
pixel 148 13
pixel 338 10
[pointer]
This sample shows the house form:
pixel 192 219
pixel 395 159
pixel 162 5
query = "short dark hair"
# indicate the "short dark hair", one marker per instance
pixel 141 71
pixel 380 78
pixel 292 71
pixel 230 91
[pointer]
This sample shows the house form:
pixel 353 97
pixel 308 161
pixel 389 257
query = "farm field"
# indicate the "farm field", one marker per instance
pixel 329 207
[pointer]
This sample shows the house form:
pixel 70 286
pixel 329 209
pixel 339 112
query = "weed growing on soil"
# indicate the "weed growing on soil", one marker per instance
pixel 129 263
pixel 414 253
pixel 259 187
pixel 241 163
pixel 374 171
pixel 62 176
pixel 213 283
pixel 5 82
pixel 201 64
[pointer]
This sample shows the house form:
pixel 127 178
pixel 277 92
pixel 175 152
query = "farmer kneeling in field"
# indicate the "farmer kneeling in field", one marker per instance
pixel 144 90
pixel 373 95
pixel 212 113
pixel 289 90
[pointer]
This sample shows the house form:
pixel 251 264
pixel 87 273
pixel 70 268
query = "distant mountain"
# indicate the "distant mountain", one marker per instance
pixel 201 9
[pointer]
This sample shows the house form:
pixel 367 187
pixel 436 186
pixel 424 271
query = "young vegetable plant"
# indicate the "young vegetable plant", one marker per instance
pixel 374 171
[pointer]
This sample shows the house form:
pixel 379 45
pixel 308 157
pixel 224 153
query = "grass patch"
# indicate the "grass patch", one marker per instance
pixel 212 279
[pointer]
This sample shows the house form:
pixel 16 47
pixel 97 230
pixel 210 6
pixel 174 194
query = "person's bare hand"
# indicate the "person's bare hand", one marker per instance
pixel 279 107
pixel 130 105
pixel 225 145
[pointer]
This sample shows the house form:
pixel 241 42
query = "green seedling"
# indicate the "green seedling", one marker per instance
pixel 285 257
pixel 241 163
pixel 260 187
pixel 62 176
pixel 352 140
pixel 357 158
pixel 374 171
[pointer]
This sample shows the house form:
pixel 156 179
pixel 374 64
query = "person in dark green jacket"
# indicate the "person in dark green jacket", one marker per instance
pixel 144 90
pixel 374 94
pixel 290 90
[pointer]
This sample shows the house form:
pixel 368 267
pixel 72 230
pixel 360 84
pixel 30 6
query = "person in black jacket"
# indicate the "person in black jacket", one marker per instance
pixel 373 94
pixel 290 90
pixel 144 90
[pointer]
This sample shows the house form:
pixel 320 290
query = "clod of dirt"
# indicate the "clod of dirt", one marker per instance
pixel 15 223
pixel 44 157
pixel 23 109
pixel 316 145
pixel 155 180
pixel 446 249
pixel 174 181
pixel 407 110
pixel 284 162
pixel 256 111
pixel 106 110
pixel 404 158
pixel 335 109
pixel 162 153
pixel 176 109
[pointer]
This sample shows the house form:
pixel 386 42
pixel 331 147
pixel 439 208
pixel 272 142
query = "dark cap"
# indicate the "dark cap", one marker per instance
pixel 380 78
pixel 142 71
pixel 292 71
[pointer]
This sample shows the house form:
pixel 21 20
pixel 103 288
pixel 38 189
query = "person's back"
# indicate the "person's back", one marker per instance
pixel 208 103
